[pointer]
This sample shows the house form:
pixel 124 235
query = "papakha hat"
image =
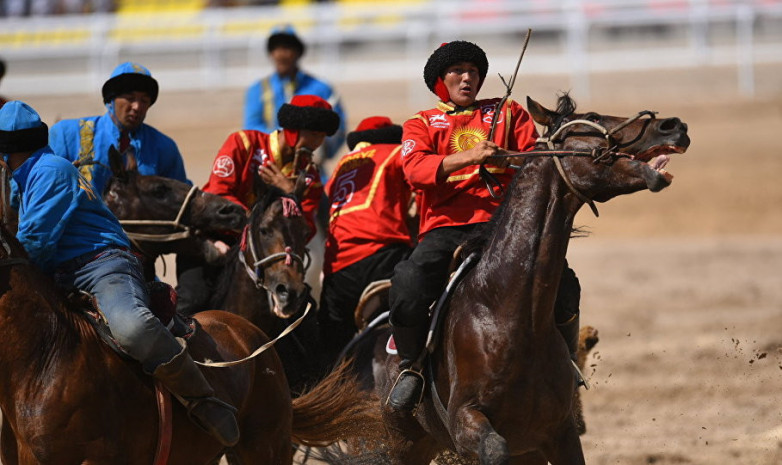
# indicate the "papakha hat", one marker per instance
pixel 129 77
pixel 285 36
pixel 21 128
pixel 308 112
pixel 375 130
pixel 449 54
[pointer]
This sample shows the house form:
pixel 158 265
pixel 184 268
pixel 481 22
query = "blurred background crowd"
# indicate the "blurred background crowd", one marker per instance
pixel 16 8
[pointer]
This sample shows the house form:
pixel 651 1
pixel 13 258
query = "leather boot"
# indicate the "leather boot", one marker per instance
pixel 408 390
pixel 184 379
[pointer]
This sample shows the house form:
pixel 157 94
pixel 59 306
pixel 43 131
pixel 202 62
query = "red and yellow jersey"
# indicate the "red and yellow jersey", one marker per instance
pixel 431 135
pixel 240 157
pixel 368 206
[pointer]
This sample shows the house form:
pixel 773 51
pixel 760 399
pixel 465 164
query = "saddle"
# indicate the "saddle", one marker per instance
pixel 162 303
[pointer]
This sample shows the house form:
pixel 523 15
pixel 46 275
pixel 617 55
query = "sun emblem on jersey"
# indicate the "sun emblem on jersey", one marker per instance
pixel 465 138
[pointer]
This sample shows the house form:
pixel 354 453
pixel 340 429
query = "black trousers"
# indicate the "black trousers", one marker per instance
pixel 342 290
pixel 418 281
pixel 196 282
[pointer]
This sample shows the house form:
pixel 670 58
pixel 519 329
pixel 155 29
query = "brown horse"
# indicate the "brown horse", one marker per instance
pixel 162 215
pixel 264 280
pixel 501 382
pixel 67 398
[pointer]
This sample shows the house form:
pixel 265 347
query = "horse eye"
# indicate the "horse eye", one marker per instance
pixel 265 231
pixel 593 117
pixel 161 190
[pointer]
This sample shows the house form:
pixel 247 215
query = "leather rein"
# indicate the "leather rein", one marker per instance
pixel 182 231
pixel 598 154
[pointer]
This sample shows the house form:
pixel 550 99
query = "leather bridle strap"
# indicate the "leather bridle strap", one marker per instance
pixel 549 141
pixel 176 224
pixel 569 183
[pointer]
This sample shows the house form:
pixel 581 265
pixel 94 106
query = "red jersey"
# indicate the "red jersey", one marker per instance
pixel 242 154
pixel 431 135
pixel 369 199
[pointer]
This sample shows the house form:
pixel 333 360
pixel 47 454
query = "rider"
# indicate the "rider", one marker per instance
pixel 368 233
pixel 266 96
pixel 127 94
pixel 442 149
pixel 306 122
pixel 70 234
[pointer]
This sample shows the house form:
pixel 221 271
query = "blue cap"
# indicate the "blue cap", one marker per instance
pixel 129 77
pixel 21 128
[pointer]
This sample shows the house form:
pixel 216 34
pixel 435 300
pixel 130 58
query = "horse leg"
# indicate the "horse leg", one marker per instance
pixel 473 433
pixel 408 443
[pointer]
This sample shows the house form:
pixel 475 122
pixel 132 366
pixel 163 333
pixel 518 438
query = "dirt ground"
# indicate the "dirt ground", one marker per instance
pixel 684 285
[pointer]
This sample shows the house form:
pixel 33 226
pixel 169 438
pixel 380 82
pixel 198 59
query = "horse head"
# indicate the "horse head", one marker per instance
pixel 160 210
pixel 633 152
pixel 275 244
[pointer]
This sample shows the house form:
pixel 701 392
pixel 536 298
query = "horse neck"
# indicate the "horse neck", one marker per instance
pixel 35 326
pixel 525 254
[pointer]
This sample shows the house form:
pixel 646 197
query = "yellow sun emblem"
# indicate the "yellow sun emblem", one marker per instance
pixel 465 138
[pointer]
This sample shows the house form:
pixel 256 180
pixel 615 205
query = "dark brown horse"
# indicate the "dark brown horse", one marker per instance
pixel 162 215
pixel 500 379
pixel 264 280
pixel 67 398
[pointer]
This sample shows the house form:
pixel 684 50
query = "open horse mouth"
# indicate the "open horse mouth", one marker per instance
pixel 657 158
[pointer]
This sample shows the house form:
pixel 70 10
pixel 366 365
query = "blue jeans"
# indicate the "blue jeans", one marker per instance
pixel 114 276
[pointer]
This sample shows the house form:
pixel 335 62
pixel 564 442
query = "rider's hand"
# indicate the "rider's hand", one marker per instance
pixel 273 176
pixel 474 156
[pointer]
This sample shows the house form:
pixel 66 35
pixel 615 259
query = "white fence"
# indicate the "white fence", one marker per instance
pixel 350 42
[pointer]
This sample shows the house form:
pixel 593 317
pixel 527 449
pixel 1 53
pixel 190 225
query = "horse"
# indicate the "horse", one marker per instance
pixel 162 215
pixel 264 280
pixel 66 397
pixel 500 381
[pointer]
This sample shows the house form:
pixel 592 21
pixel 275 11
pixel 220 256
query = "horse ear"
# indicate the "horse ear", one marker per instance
pixel 540 114
pixel 115 162
pixel 300 186
pixel 259 187
pixel 132 164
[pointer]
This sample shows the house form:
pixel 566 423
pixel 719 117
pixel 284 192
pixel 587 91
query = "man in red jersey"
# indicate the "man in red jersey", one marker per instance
pixel 442 150
pixel 305 122
pixel 368 233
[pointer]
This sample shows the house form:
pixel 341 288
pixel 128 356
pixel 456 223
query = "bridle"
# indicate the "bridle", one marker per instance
pixel 182 231
pixel 255 271
pixel 607 154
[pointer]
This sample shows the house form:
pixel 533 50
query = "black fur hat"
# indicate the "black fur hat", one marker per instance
pixel 308 112
pixel 285 37
pixel 375 130
pixel 451 53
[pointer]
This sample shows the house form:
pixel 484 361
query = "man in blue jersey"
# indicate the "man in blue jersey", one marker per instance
pixel 265 97
pixel 127 94
pixel 70 234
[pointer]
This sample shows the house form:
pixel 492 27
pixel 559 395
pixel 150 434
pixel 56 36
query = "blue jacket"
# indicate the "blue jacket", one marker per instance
pixel 85 138
pixel 265 97
pixel 60 215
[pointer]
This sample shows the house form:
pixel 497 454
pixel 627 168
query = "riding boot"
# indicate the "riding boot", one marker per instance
pixel 569 330
pixel 184 379
pixel 408 390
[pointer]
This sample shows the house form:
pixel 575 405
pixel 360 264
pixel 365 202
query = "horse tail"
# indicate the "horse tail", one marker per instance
pixel 335 409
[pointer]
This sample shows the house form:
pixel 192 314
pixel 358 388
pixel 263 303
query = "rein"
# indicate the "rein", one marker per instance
pixel 598 154
pixel 185 232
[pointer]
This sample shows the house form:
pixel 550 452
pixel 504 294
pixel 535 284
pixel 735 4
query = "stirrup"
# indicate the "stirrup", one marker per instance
pixel 580 379
pixel 414 373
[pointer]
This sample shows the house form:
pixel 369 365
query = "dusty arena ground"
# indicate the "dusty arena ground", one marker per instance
pixel 684 286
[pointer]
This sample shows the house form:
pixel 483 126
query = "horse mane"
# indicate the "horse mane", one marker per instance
pixel 477 240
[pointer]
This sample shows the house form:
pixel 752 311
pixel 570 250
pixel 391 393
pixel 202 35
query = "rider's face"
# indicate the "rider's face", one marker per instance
pixel 462 80
pixel 285 60
pixel 310 139
pixel 131 108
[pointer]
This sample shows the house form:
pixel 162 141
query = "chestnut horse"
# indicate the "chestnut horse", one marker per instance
pixel 67 398
pixel 162 215
pixel 264 280
pixel 500 380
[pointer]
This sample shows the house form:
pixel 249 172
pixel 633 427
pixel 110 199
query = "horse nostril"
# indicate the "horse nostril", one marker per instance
pixel 230 210
pixel 671 124
pixel 282 292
